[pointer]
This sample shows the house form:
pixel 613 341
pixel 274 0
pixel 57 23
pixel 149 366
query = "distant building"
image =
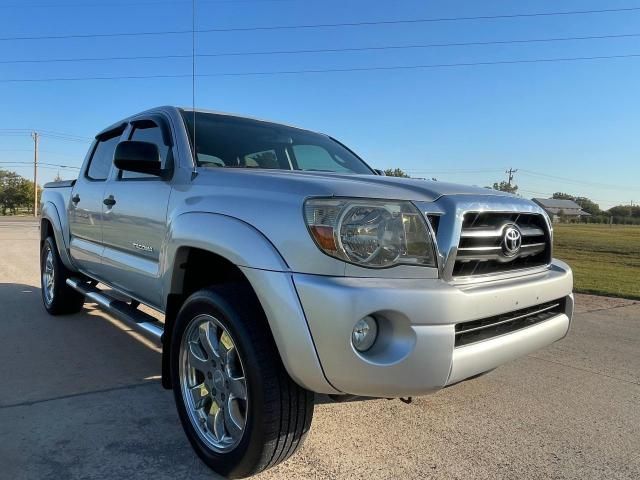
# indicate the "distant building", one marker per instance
pixel 561 208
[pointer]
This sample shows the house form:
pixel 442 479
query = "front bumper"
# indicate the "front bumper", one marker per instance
pixel 415 353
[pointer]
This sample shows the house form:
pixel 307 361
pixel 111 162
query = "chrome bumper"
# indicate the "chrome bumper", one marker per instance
pixel 416 352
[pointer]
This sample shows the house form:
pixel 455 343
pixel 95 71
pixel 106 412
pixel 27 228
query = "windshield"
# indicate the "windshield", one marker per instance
pixel 227 141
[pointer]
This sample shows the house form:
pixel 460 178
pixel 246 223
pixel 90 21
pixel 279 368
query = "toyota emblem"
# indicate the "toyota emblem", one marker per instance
pixel 511 240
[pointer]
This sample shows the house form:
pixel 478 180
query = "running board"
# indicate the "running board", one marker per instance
pixel 140 321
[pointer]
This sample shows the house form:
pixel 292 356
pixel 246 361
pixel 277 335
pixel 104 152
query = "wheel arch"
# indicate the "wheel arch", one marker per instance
pixel 207 249
pixel 193 269
pixel 51 225
pixel 204 249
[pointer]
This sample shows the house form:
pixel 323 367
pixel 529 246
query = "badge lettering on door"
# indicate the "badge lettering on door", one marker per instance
pixel 140 246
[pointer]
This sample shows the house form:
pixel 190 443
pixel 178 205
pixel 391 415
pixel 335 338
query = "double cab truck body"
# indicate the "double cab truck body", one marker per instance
pixel 285 266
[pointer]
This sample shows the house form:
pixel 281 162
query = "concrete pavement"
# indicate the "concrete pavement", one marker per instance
pixel 80 398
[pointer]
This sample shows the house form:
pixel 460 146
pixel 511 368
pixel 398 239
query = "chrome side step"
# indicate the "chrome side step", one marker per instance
pixel 140 321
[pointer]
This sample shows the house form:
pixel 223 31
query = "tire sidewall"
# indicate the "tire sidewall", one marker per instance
pixel 241 460
pixel 50 245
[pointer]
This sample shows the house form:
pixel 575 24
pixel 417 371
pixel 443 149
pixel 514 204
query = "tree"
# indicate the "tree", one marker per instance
pixel 588 205
pixel 505 187
pixel 15 192
pixel 625 211
pixel 562 196
pixel 396 172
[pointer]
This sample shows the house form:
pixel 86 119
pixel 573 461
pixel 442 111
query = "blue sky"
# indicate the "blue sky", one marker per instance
pixel 568 126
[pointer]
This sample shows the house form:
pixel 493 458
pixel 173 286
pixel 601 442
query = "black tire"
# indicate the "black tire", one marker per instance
pixel 64 299
pixel 278 412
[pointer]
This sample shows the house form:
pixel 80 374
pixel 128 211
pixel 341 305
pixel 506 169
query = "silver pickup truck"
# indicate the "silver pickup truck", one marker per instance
pixel 283 266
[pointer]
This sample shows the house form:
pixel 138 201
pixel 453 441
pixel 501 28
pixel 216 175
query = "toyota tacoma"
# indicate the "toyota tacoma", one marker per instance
pixel 281 265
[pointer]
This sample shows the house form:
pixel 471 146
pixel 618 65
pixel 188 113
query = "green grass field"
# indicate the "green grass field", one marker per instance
pixel 605 260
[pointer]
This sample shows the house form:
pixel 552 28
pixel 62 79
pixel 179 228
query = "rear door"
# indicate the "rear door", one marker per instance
pixel 135 219
pixel 85 206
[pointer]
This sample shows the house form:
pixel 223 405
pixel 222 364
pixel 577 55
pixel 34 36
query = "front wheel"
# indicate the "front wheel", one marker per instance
pixel 239 408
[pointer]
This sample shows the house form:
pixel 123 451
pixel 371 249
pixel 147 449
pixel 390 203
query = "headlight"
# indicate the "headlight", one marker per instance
pixel 370 233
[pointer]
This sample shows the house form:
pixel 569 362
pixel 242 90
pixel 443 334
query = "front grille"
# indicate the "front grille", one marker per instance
pixel 483 329
pixel 482 243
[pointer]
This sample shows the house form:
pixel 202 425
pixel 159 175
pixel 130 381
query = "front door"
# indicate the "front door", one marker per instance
pixel 135 221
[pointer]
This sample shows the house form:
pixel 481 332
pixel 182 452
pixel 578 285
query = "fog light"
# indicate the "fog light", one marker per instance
pixel 364 333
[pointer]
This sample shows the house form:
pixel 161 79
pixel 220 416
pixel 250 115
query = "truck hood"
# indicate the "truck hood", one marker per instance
pixel 337 184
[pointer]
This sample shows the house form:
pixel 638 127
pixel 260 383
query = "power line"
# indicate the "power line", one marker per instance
pixel 74 140
pixel 30 164
pixel 325 50
pixel 546 194
pixel 455 171
pixel 324 70
pixel 67 139
pixel 47 152
pixel 62 134
pixel 21 150
pixel 132 4
pixel 19 132
pixel 48 132
pixel 536 174
pixel 41 163
pixel 577 182
pixel 496 170
pixel 320 25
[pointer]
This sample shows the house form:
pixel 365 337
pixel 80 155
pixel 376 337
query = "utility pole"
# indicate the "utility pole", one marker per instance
pixel 35 137
pixel 511 172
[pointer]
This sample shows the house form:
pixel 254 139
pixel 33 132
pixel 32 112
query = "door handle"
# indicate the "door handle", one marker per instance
pixel 109 201
pixel 75 199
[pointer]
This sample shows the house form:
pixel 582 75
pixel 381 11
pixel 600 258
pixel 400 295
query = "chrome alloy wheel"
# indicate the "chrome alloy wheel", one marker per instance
pixel 48 272
pixel 213 384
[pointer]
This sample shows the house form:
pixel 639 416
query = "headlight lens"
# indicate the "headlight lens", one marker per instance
pixel 370 233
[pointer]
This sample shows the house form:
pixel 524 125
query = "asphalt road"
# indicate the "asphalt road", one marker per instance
pixel 80 398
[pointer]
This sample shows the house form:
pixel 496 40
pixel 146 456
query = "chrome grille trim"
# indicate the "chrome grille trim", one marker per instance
pixel 482 243
pixel 451 210
pixel 481 233
pixel 475 331
pixel 480 249
pixel 485 253
pixel 517 317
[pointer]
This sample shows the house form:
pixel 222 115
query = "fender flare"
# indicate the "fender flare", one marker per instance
pixel 50 213
pixel 266 271
pixel 231 238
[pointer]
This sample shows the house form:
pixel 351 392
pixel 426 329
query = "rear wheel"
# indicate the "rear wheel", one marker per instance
pixel 240 409
pixel 58 297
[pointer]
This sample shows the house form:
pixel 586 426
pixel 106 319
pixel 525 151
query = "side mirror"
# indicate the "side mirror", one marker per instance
pixel 141 157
